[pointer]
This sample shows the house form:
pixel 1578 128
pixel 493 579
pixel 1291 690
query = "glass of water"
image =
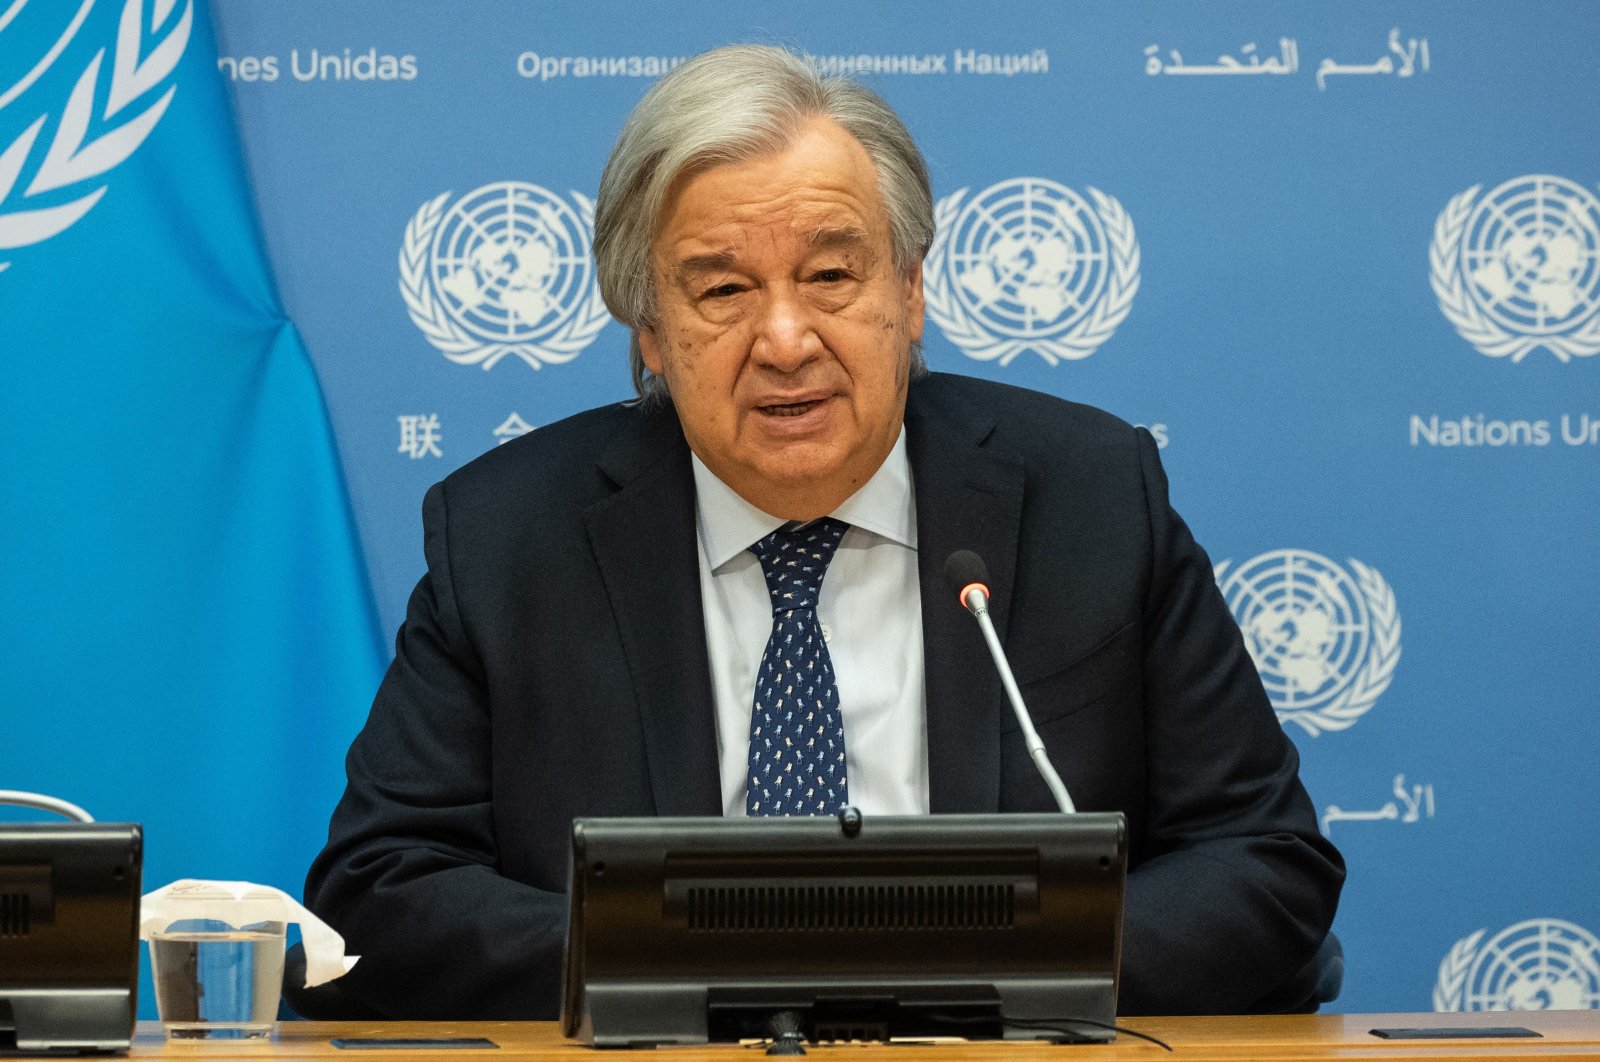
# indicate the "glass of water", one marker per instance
pixel 215 981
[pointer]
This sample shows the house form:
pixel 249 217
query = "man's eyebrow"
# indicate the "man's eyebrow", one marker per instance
pixel 709 262
pixel 829 239
pixel 838 239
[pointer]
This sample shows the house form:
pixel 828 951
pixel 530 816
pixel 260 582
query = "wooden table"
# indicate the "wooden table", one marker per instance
pixel 1566 1034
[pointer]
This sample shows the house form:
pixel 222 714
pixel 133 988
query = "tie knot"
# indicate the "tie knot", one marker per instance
pixel 794 562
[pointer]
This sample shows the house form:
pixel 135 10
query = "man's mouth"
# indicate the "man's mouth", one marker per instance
pixel 790 409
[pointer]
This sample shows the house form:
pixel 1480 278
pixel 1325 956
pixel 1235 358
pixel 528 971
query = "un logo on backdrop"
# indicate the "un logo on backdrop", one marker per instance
pixel 81 150
pixel 1540 964
pixel 1325 640
pixel 1028 264
pixel 505 269
pixel 1520 268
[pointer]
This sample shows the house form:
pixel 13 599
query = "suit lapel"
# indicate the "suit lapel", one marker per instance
pixel 645 542
pixel 968 497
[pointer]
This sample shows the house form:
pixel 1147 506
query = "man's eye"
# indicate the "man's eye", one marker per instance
pixel 832 276
pixel 722 291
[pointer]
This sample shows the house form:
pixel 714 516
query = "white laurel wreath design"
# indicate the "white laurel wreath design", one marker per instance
pixel 69 158
pixel 1462 311
pixel 1377 670
pixel 1450 991
pixel 1085 337
pixel 460 345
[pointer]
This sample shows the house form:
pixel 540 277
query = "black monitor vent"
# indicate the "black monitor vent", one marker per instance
pixel 776 908
pixel 15 909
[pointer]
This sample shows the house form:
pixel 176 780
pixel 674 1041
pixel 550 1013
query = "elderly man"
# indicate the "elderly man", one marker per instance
pixel 596 631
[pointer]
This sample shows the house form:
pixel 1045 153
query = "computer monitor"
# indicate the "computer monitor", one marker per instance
pixel 69 935
pixel 850 927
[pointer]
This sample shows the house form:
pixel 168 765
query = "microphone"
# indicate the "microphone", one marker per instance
pixel 968 577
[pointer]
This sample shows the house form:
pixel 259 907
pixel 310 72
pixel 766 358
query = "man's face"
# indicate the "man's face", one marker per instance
pixel 784 329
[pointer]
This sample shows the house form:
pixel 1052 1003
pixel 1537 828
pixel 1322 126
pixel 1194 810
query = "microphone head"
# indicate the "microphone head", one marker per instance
pixel 963 569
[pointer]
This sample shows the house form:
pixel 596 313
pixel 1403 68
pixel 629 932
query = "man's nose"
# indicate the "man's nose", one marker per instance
pixel 785 337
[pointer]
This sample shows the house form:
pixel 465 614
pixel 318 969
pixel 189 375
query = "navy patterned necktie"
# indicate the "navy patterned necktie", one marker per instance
pixel 796 731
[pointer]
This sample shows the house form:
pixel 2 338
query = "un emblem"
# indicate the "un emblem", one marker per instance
pixel 134 93
pixel 1520 268
pixel 1540 964
pixel 1028 264
pixel 505 269
pixel 1325 640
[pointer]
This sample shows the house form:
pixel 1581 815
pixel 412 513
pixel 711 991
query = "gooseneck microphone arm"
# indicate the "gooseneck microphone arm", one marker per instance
pixel 968 576
pixel 18 798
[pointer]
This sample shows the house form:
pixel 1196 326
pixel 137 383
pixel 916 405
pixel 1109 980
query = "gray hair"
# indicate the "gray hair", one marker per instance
pixel 735 104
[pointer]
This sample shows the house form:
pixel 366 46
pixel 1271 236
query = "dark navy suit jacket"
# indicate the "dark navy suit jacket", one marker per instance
pixel 553 664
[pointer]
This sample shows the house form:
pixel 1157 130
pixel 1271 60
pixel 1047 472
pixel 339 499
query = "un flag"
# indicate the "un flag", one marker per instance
pixel 187 638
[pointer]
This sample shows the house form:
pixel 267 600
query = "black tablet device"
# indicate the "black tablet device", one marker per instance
pixel 69 935
pixel 696 930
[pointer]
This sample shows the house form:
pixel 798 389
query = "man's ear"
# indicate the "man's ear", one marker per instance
pixel 914 302
pixel 650 350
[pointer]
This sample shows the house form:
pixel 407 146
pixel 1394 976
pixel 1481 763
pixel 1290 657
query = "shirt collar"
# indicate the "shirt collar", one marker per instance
pixel 728 524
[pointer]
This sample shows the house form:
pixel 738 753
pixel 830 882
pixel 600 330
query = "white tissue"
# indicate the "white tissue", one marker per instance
pixel 241 903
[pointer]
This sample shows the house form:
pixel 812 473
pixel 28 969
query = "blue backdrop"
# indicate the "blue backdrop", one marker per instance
pixel 1344 262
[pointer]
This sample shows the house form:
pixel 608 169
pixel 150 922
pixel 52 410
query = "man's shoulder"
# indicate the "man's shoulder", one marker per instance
pixel 568 460
pixel 1018 414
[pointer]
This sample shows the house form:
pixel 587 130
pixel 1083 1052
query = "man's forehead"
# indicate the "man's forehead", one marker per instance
pixel 820 189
